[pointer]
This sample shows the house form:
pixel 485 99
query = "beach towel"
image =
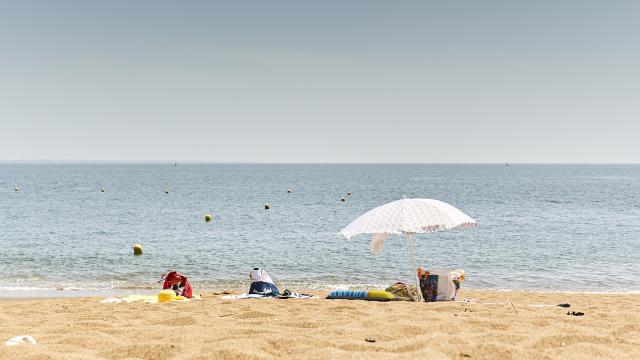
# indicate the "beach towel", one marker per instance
pixel 150 299
pixel 285 295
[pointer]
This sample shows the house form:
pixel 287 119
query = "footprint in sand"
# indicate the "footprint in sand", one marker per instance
pixel 253 315
pixel 177 321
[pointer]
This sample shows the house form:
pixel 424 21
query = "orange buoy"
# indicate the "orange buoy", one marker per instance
pixel 137 249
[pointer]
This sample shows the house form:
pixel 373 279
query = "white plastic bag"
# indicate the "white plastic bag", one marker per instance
pixel 22 339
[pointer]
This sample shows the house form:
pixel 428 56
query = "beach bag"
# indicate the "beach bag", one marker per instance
pixel 261 283
pixel 441 285
pixel 177 282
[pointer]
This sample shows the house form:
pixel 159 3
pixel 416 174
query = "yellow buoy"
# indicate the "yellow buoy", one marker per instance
pixel 137 249
pixel 166 295
pixel 207 217
pixel 267 206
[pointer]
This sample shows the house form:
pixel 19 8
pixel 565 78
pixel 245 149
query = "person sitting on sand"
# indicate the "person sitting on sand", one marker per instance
pixel 177 282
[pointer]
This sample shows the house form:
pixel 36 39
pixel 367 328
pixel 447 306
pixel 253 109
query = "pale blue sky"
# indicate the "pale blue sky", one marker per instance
pixel 324 81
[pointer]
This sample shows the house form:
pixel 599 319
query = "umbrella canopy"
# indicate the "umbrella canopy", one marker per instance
pixel 407 217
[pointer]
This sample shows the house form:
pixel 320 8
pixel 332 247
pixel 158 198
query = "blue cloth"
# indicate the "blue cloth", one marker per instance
pixel 263 288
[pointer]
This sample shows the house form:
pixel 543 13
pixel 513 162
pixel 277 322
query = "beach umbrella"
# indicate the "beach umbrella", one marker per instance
pixel 407 217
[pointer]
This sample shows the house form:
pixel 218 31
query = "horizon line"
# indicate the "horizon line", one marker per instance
pixel 205 162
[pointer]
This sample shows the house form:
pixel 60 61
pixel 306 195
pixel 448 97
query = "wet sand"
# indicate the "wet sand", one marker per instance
pixel 489 327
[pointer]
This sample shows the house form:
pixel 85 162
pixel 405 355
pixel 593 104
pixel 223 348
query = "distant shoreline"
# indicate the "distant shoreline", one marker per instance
pixel 194 162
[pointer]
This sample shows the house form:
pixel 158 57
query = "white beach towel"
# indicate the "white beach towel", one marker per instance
pixel 111 300
pixel 258 296
pixel 243 296
pixel 151 299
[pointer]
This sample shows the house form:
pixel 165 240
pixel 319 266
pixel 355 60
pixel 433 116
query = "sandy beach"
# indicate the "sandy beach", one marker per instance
pixel 481 325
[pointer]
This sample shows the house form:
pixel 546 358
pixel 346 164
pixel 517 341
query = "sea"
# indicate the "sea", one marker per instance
pixel 69 228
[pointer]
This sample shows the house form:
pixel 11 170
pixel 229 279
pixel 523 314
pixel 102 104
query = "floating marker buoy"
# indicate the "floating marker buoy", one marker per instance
pixel 349 193
pixel 166 191
pixel 102 190
pixel 343 199
pixel 289 191
pixel 267 206
pixel 207 217
pixel 17 189
pixel 137 249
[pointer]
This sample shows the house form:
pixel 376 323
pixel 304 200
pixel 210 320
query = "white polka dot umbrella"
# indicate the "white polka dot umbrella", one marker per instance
pixel 407 217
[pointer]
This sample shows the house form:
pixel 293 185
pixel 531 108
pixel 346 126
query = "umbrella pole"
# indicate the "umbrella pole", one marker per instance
pixel 415 269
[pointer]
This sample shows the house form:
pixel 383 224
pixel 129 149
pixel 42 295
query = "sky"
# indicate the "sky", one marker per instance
pixel 320 81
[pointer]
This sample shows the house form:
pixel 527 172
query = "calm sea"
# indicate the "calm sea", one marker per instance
pixel 543 227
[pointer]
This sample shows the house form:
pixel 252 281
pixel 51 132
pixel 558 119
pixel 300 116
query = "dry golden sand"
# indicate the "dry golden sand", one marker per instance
pixel 267 328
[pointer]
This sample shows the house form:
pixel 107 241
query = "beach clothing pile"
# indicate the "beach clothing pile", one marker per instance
pixel 435 285
pixel 439 284
pixel 177 282
pixel 403 291
pixel 262 286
